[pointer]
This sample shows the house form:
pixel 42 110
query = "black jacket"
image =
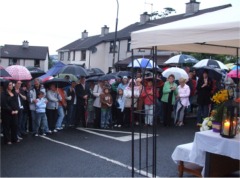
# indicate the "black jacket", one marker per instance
pixel 8 103
pixel 204 94
pixel 80 92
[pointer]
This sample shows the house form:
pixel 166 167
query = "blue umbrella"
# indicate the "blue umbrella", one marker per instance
pixel 143 63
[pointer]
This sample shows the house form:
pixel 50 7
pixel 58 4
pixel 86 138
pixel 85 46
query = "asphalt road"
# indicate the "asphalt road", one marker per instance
pixel 93 153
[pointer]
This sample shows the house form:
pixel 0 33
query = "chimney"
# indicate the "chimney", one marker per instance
pixel 144 18
pixel 25 44
pixel 84 34
pixel 192 7
pixel 104 30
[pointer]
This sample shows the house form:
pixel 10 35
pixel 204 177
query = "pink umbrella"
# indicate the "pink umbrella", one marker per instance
pixel 233 74
pixel 18 72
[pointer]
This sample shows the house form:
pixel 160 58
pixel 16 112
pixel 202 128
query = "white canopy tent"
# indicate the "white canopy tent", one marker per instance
pixel 215 33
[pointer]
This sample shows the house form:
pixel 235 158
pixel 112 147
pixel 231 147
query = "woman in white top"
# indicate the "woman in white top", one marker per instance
pixel 183 101
pixel 97 90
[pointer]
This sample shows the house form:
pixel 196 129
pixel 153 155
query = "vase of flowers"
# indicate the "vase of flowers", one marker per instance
pixel 217 113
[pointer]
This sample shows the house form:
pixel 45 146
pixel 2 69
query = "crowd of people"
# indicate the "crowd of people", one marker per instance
pixel 39 109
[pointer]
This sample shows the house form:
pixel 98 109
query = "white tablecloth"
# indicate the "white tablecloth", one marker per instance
pixel 212 142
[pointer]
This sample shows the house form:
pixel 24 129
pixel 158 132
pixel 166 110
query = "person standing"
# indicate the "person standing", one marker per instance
pixel 120 101
pixel 182 102
pixel 62 104
pixel 9 109
pixel 81 92
pixel 71 105
pixel 204 87
pixel 98 88
pixel 53 98
pixel 168 99
pixel 106 103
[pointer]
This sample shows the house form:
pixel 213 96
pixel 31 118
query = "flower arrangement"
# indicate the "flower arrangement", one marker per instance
pixel 219 99
pixel 207 123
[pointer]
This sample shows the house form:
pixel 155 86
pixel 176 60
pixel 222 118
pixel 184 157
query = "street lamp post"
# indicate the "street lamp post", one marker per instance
pixel 115 37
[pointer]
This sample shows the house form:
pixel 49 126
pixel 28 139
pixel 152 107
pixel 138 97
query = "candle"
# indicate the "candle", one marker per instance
pixel 226 128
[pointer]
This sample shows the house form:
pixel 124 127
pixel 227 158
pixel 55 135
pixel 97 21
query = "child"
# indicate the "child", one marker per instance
pixel 41 114
pixel 148 97
pixel 106 103
pixel 120 100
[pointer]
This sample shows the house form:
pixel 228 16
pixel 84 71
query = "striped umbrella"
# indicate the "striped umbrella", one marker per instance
pixel 18 72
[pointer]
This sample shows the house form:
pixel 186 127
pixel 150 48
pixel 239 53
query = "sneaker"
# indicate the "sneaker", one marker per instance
pixel 119 125
pixel 43 134
pixel 115 125
pixel 49 132
pixel 36 135
pixel 19 138
pixel 55 130
pixel 59 128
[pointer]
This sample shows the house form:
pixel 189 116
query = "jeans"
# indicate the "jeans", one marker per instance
pixel 105 117
pixel 24 122
pixel 71 114
pixel 34 121
pixel 41 122
pixel 203 112
pixel 60 117
pixel 148 114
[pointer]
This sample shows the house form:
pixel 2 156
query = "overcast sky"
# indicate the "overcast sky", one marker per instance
pixel 56 23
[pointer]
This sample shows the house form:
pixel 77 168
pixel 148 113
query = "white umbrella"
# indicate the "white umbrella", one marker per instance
pixel 180 59
pixel 210 63
pixel 177 72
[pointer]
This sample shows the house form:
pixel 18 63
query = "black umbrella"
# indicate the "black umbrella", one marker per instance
pixel 2 81
pixel 124 73
pixel 108 77
pixel 95 72
pixel 35 72
pixel 4 73
pixel 212 72
pixel 92 79
pixel 76 70
pixel 59 82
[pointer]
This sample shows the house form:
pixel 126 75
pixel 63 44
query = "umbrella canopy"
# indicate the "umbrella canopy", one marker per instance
pixel 92 79
pixel 234 74
pixel 235 67
pixel 74 70
pixel 177 72
pixel 124 73
pixel 95 72
pixel 3 72
pixel 230 65
pixel 180 59
pixel 210 63
pixel 213 73
pixel 35 71
pixel 142 63
pixel 53 71
pixel 71 76
pixel 107 77
pixel 59 82
pixel 18 72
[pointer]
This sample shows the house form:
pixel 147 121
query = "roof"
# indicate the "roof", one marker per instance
pixel 19 52
pixel 125 33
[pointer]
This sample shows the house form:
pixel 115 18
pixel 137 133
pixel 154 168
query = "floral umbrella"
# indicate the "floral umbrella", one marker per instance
pixel 18 72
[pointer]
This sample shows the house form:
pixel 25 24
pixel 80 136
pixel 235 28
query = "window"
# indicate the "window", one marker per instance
pixel 112 46
pixel 13 62
pixel 36 63
pixel 68 56
pixel 73 56
pixel 129 45
pixel 83 55
pixel 61 56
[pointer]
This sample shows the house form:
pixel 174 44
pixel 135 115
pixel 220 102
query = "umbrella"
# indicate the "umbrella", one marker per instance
pixel 107 77
pixel 75 70
pixel 235 68
pixel 59 82
pixel 212 72
pixel 230 65
pixel 92 79
pixel 35 71
pixel 142 63
pixel 177 72
pixel 2 81
pixel 72 77
pixel 3 72
pixel 18 72
pixel 124 73
pixel 234 74
pixel 181 58
pixel 95 72
pixel 211 63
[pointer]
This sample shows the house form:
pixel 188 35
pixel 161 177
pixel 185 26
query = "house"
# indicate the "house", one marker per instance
pixel 25 55
pixel 98 50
